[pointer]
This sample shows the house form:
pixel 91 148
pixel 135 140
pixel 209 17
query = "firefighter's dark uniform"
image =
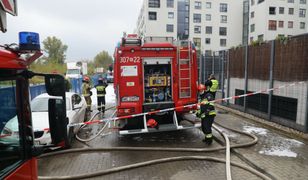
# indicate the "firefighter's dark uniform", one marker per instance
pixel 213 86
pixel 207 114
pixel 86 92
pixel 101 92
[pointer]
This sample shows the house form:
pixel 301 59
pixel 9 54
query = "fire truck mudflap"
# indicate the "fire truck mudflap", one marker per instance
pixel 153 77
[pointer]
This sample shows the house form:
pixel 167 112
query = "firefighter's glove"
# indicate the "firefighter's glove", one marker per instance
pixel 198 113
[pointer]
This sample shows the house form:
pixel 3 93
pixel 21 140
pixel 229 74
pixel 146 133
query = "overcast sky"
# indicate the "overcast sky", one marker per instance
pixel 86 26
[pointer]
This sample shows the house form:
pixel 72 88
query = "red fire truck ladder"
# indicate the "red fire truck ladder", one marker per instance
pixel 184 61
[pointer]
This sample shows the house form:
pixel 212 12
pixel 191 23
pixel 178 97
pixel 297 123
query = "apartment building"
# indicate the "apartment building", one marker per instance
pixel 158 18
pixel 216 25
pixel 212 25
pixel 271 18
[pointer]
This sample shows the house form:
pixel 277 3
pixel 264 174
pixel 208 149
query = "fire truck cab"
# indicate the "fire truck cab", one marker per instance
pixel 17 149
pixel 153 74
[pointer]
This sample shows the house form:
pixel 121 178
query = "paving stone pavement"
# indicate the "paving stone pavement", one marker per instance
pixel 277 154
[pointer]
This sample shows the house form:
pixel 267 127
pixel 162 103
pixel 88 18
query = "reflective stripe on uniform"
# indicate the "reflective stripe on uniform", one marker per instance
pixel 212 113
pixel 100 91
pixel 208 135
pixel 214 86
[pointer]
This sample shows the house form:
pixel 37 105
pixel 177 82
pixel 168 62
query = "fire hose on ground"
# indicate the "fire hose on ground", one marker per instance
pixel 171 159
pixel 164 160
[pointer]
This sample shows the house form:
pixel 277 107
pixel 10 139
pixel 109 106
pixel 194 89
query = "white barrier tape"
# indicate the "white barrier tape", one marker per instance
pixel 181 107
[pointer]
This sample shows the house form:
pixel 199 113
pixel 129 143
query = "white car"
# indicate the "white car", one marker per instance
pixel 75 111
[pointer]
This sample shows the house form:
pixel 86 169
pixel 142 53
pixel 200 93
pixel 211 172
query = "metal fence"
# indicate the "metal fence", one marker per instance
pixel 252 68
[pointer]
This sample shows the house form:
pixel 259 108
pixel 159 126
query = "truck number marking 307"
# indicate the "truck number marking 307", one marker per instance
pixel 130 59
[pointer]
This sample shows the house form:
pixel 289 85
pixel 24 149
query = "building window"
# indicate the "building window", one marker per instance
pixel 207 40
pixel 260 1
pixel 197 18
pixel 186 31
pixel 208 5
pixel 290 1
pixel 187 7
pixel 152 16
pixel 222 31
pixel 223 7
pixel 290 24
pixel 252 14
pixel 252 28
pixel 261 37
pixel 291 11
pixel 223 19
pixel 251 39
pixel 208 52
pixel 223 42
pixel 302 2
pixel 272 10
pixel 208 17
pixel 272 25
pixel 169 27
pixel 197 42
pixel 170 3
pixel 154 3
pixel 302 25
pixel 186 19
pixel 302 12
pixel 197 4
pixel 208 29
pixel 280 24
pixel 252 2
pixel 170 15
pixel 197 29
pixel 281 10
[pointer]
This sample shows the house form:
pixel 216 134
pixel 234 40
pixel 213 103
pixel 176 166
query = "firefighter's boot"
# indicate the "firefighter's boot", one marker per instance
pixel 208 139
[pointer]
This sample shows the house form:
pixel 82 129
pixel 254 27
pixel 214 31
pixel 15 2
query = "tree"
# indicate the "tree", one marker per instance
pixel 55 49
pixel 102 59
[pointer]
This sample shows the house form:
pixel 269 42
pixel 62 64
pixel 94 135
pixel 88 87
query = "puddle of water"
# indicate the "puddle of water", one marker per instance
pixel 274 144
pixel 256 130
pixel 279 152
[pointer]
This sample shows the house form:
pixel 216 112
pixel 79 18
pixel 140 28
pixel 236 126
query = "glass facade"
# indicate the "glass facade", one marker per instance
pixel 183 19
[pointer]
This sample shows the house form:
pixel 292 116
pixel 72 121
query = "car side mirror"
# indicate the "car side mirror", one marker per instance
pixel 55 85
pixel 57 121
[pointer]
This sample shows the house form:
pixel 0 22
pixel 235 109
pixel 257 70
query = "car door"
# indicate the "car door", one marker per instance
pixel 78 108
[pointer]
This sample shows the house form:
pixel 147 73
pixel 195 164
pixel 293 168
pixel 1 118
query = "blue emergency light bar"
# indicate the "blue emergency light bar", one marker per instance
pixel 29 41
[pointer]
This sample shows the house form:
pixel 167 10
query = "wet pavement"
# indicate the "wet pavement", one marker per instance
pixel 277 154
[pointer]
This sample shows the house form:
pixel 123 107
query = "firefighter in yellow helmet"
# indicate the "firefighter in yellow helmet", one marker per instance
pixel 207 114
pixel 212 85
pixel 86 92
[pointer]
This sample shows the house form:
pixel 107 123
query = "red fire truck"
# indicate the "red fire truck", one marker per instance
pixel 17 149
pixel 154 74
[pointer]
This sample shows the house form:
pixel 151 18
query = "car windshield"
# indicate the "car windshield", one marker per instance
pixel 41 104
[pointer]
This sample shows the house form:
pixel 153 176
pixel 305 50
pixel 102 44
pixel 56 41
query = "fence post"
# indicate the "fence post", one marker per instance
pixel 228 76
pixel 222 59
pixel 200 69
pixel 213 61
pixel 306 123
pixel 246 76
pixel 271 82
